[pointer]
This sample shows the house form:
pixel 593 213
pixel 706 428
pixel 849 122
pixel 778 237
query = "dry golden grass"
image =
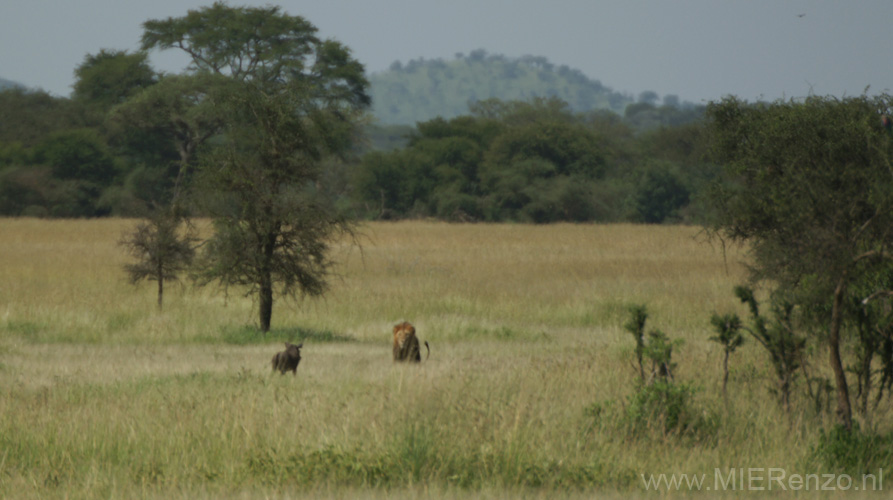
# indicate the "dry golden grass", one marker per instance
pixel 103 396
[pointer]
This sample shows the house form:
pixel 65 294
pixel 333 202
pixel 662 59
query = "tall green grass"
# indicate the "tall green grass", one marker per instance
pixel 527 391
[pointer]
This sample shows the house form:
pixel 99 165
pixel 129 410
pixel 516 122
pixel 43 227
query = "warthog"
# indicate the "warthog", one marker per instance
pixel 288 359
pixel 406 344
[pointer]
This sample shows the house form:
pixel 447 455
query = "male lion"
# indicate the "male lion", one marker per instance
pixel 406 344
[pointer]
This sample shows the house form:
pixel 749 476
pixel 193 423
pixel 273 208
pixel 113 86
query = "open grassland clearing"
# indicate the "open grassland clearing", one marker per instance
pixel 102 395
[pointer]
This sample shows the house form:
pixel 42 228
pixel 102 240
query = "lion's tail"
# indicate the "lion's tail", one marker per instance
pixel 429 351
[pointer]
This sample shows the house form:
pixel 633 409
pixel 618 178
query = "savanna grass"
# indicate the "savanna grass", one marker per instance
pixel 525 393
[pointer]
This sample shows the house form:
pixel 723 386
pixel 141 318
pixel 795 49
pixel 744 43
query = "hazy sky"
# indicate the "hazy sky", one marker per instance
pixel 699 50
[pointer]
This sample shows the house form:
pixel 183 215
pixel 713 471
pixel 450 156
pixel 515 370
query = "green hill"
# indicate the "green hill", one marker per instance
pixel 424 89
pixel 9 84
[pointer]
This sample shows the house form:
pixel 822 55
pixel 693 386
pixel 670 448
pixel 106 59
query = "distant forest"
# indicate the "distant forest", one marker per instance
pixel 479 138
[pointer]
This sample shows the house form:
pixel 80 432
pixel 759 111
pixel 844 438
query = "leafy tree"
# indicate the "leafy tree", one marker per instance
pixel 395 184
pixel 570 148
pixel 660 195
pixel 29 117
pixel 778 337
pixel 82 167
pixel 78 154
pixel 658 348
pixel 728 335
pixel 272 228
pixel 164 247
pixel 111 76
pixel 638 315
pixel 26 190
pixel 810 189
pixel 176 115
pixel 293 99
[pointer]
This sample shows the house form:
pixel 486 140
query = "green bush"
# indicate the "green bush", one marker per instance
pixel 667 407
pixel 855 452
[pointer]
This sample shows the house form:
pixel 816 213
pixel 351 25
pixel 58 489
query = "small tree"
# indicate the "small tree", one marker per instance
pixel 659 400
pixel 660 351
pixel 164 246
pixel 728 335
pixel 636 327
pixel 291 99
pixel 658 348
pixel 778 337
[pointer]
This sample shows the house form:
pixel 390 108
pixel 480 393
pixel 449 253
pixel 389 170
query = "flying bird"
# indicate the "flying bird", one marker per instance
pixel 801 15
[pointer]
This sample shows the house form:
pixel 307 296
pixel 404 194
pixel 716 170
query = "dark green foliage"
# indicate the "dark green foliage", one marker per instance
pixel 569 148
pixel 668 408
pixel 779 338
pixel 655 346
pixel 162 130
pixel 659 403
pixel 33 191
pixel 111 77
pixel 248 335
pixel 661 194
pixel 659 350
pixel 809 188
pixel 728 335
pixel 286 101
pixel 517 161
pixel 551 157
pixel 26 191
pixel 29 117
pixel 78 154
pixel 636 327
pixel 853 451
pixel 414 457
pixel 874 328
pixel 164 246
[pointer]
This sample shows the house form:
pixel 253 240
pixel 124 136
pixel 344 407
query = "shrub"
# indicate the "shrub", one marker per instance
pixel 667 407
pixel 853 452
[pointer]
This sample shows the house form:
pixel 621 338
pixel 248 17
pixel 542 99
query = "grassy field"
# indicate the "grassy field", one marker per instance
pixel 525 394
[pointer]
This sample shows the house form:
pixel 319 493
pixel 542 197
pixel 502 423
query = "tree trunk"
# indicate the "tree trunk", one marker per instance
pixel 266 304
pixel 725 372
pixel 160 272
pixel 266 284
pixel 844 411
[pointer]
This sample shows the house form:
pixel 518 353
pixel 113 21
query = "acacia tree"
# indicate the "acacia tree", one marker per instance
pixel 290 100
pixel 164 247
pixel 810 188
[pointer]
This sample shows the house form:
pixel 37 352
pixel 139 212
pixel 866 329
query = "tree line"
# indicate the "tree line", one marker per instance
pixel 538 161
pixel 127 138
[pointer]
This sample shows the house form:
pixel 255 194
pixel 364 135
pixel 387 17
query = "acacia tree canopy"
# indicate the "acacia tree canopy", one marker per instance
pixel 810 188
pixel 291 100
pixel 263 45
